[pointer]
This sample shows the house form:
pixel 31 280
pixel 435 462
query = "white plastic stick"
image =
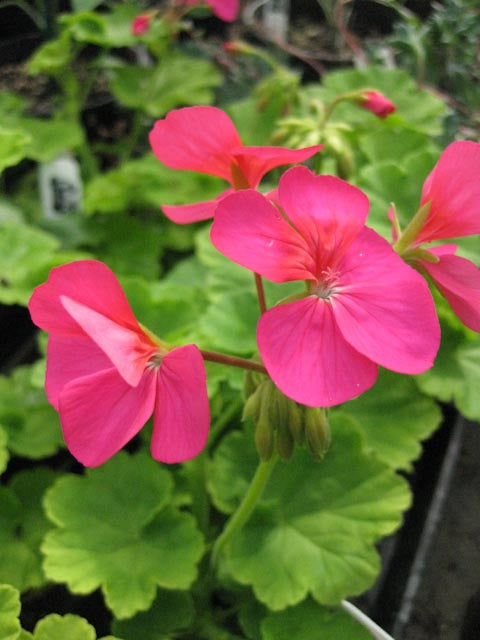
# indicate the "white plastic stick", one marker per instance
pixel 368 623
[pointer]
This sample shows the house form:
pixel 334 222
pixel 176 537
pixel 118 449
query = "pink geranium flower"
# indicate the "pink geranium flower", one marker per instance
pixel 363 306
pixel 106 376
pixel 224 9
pixel 452 191
pixel 141 24
pixel 204 139
pixel 377 103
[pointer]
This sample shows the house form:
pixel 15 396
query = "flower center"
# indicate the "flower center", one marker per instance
pixel 327 284
pixel 155 360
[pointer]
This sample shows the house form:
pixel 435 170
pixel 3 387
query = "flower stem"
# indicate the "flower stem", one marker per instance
pixel 245 508
pixel 260 293
pixel 232 361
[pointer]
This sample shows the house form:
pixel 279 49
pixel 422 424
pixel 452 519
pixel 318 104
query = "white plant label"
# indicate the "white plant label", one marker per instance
pixel 60 184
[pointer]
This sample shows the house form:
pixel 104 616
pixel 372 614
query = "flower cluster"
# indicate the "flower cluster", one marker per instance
pixel 361 303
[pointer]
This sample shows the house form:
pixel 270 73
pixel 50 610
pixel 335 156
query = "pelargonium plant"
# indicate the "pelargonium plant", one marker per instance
pixel 290 550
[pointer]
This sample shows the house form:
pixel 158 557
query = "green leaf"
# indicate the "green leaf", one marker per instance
pixel 53 56
pixel 117 531
pixel 26 256
pixel 230 323
pixel 169 311
pixel 9 612
pixel 146 183
pixel 170 613
pixel 310 621
pixel 48 138
pixel 177 80
pixel 394 418
pixel 23 527
pixel 455 376
pixel 111 29
pixel 416 108
pixel 32 425
pixel 55 627
pixel 316 524
pixel 4 455
pixel 13 146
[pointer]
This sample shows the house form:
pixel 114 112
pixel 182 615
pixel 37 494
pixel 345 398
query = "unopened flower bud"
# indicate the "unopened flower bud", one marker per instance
pixel 265 426
pixel 296 423
pixel 317 431
pixel 377 103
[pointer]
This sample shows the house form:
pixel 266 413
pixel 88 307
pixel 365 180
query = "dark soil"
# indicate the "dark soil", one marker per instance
pixel 447 605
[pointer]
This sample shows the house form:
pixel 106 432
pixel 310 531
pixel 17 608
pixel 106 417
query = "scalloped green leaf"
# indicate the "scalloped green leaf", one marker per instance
pixel 229 324
pixel 315 526
pixel 455 376
pixel 23 526
pixel 31 424
pixel 394 418
pixel 170 613
pixel 13 146
pixel 9 612
pixel 108 29
pixel 416 108
pixel 56 627
pixel 146 182
pixel 26 256
pixel 176 80
pixel 116 530
pixel 310 621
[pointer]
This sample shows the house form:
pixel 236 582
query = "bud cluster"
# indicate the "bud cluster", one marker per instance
pixel 282 423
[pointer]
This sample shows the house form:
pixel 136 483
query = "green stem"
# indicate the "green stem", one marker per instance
pixel 246 507
pixel 412 229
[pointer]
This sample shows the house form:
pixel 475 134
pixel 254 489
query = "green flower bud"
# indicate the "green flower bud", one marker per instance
pixel 265 426
pixel 317 431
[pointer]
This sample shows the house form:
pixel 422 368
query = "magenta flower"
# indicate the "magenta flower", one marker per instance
pixel 204 139
pixel 453 191
pixel 377 103
pixel 226 10
pixel 363 306
pixel 106 376
pixel 141 24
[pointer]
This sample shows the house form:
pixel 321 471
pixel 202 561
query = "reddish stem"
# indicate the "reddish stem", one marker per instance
pixel 260 293
pixel 233 361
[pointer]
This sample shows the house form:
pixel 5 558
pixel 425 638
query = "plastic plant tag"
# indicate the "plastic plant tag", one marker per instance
pixel 60 185
pixel 276 17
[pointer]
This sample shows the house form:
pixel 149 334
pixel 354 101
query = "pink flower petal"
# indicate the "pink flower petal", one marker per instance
pixel 453 187
pixel 88 282
pixel 249 230
pixel 255 162
pixel 100 413
pixel 128 350
pixel 182 413
pixel 225 9
pixel 384 308
pixel 68 358
pixel 307 356
pixel 196 139
pixel 187 213
pixel 328 212
pixel 458 280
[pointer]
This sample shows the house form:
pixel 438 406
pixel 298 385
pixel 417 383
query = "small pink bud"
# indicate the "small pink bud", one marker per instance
pixel 141 24
pixel 377 103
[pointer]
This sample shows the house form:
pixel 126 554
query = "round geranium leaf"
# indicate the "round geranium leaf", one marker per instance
pixel 394 417
pixel 9 612
pixel 116 529
pixel 316 524
pixel 55 627
pixel 23 526
pixel 171 611
pixel 310 621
